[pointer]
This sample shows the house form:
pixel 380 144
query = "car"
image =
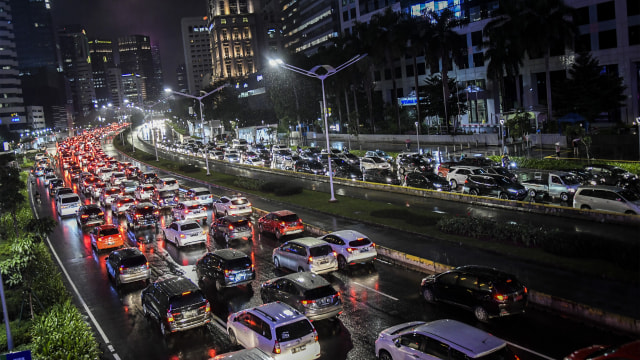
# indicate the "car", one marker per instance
pixel 109 195
pixel 426 181
pixel 499 170
pixel 86 184
pixel 68 204
pixel 39 171
pixel 628 351
pixel 62 191
pixel 143 192
pixel 439 339
pixel 127 265
pixel 352 247
pixel 121 204
pixel 308 293
pixel 225 268
pixel 184 233
pixel 117 177
pixel 105 173
pixel 48 178
pixel 232 156
pixel 164 199
pixel 245 354
pixel 254 161
pixel 346 171
pixel 148 177
pixel 128 187
pixel 381 176
pixel 373 162
pixel 201 195
pixel 379 153
pixel 142 214
pixel 306 254
pixel 276 328
pixel 89 215
pixel 495 186
pixel 106 237
pixel 189 210
pixel 280 223
pixel 609 174
pixel 234 205
pixel 231 227
pixel 97 189
pixel 167 184
pixel 457 175
pixel 54 184
pixel 486 291
pixel 309 166
pixel 607 198
pixel 176 304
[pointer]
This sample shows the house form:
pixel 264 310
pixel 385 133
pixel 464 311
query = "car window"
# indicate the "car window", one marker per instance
pixel 448 278
pixel 187 298
pixel 190 226
pixel 290 218
pixel 320 292
pixel 137 260
pixel 109 231
pixel 294 330
pixel 299 249
pixel 413 341
pixel 468 281
pixel 239 264
pixel 435 348
pixel 629 195
pixel 322 250
pixel 239 201
pixel 70 199
pixel 359 242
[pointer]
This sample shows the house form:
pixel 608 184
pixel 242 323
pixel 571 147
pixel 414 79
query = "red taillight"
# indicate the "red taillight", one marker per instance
pixel 526 290
pixel 283 224
pixel 501 297
pixel 119 204
pixel 121 269
pixel 147 264
pixel 230 227
pixel 100 214
pixel 310 260
pixel 99 238
pixel 186 211
pixel 227 273
pixel 350 250
pixel 315 335
pixel 276 348
pixel 207 308
pixel 247 204
pixel 307 302
pixel 335 254
pixel 170 317
pixel 84 216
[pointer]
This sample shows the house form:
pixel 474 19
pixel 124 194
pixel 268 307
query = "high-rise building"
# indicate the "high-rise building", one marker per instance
pixel 12 110
pixel 114 84
pixel 101 56
pixel 197 53
pixel 136 60
pixel 155 86
pixel 232 24
pixel 181 78
pixel 310 24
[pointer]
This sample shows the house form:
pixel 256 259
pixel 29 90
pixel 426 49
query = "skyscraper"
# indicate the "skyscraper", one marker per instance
pixel 101 56
pixel 12 110
pixel 197 53
pixel 136 59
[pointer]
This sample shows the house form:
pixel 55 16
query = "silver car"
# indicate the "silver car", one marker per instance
pixel 306 254
pixel 607 198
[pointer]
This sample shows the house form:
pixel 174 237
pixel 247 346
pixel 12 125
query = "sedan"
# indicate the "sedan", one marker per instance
pixel 351 247
pixel 121 204
pixel 235 205
pixel 184 233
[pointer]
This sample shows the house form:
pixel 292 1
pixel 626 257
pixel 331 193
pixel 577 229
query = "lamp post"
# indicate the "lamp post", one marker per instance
pixel 502 134
pixel 417 137
pixel 638 123
pixel 199 98
pixel 329 70
pixel 133 148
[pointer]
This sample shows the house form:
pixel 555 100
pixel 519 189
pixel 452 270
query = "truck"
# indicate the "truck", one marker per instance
pixel 556 184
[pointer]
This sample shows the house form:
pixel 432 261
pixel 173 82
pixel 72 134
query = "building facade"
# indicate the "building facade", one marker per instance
pixel 102 59
pixel 197 53
pixel 12 110
pixel 309 24
pixel 136 59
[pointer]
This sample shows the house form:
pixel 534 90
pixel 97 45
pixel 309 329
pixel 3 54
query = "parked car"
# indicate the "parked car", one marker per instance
pixel 201 195
pixel 557 184
pixel 382 176
pixel 486 291
pixel 628 351
pixel 230 228
pixel 176 304
pixel 458 174
pixel 276 328
pixel 499 170
pixel 184 233
pixel 308 293
pixel 127 265
pixel 280 223
pixel 607 198
pixel 494 186
pixel 351 247
pixel 106 237
pixel 439 339
pixel 306 254
pixel 141 215
pixel 189 210
pixel 426 181
pixel 90 215
pixel 309 166
pixel 373 162
pixel 609 174
pixel 232 205
pixel 225 268
pixel 347 171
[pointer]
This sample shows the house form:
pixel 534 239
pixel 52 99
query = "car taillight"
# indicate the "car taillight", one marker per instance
pixel 84 216
pixel 119 204
pixel 121 269
pixel 186 211
pixel 227 273
pixel 156 212
pixel 147 264
pixel 276 347
pixel 310 260
pixel 315 335
pixel 525 290
pixel 230 227
pixel 207 307
pixel 170 317
pixel 138 215
pixel 101 214
pixel 99 238
pixel 232 207
pixel 248 204
pixel 335 254
pixel 307 302
pixel 501 297
pixel 350 250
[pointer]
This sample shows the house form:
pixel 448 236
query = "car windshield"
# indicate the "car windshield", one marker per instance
pixel 377 160
pixel 129 183
pixel 93 210
pixel 629 195
pixel 190 226
pixel 322 250
pixel 239 201
pixel 570 180
pixel 170 182
pixel 294 330
pixel 507 285
pixel 136 260
pixel 109 231
pixel 239 264
pixel 478 171
pixel 319 292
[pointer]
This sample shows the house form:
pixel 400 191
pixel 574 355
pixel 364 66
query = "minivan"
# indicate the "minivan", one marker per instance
pixel 68 204
pixel 607 198
pixel 306 254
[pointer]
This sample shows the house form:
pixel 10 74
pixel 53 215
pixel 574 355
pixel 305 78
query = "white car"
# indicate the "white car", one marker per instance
pixel 277 329
pixel 184 233
pixel 306 254
pixel 201 195
pixel 68 204
pixel 105 174
pixel 458 174
pixel 232 156
pixel 143 192
pixel 237 205
pixel 352 247
pixel 48 178
pixel 117 177
pixel 109 195
pixel 189 210
pixel 374 162
pixel 167 184
pixel 121 204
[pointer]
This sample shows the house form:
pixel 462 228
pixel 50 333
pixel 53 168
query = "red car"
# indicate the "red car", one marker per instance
pixel 281 223
pixel 628 351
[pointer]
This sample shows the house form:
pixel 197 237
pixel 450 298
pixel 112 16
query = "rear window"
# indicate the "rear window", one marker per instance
pixel 137 260
pixel 240 201
pixel 294 330
pixel 109 231
pixel 126 200
pixel 507 285
pixel 194 206
pixel 117 175
pixel 113 191
pixel 93 210
pixel 238 264
pixel 70 199
pixel 203 192
pixel 360 242
pixel 321 250
pixel 190 226
pixel 189 299
pixel 148 188
pixel 289 218
pixel 240 223
pixel 166 194
pixel 145 210
pixel 170 182
pixel 319 292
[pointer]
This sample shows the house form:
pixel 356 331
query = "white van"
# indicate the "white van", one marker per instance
pixel 68 204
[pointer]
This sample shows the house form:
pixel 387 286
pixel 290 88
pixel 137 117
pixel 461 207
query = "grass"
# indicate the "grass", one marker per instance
pixel 415 219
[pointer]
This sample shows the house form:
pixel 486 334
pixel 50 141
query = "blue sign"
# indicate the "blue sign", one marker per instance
pixel 20 355
pixel 408 101
pixel 15 119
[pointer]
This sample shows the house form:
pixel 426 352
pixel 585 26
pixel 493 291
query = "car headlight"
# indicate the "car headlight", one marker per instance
pixel 572 190
pixel 437 185
pixel 513 191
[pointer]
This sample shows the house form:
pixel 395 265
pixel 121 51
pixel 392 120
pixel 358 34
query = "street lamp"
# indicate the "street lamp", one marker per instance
pixel 313 73
pixel 417 137
pixel 638 123
pixel 199 98
pixel 502 134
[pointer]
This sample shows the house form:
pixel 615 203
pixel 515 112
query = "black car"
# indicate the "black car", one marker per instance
pixel 142 215
pixel 127 265
pixel 609 174
pixel 225 268
pixel 90 215
pixel 499 170
pixel 148 178
pixel 309 167
pixel 177 304
pixel 426 181
pixel 347 171
pixel 231 227
pixel 477 161
pixel 486 291
pixel 382 176
pixel 307 292
pixel 495 186
pixel 55 184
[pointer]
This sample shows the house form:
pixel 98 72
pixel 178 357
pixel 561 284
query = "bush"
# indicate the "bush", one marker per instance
pixel 248 184
pixel 62 334
pixel 189 168
pixel 281 189
pixel 20 333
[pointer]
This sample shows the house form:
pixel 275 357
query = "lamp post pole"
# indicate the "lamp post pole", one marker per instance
pixel 417 135
pixel 502 134
pixel 133 148
pixel 313 73
pixel 638 123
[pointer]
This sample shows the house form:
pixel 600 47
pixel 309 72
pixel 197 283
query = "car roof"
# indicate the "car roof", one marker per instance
pixel 235 218
pixel 277 312
pixel 69 195
pixel 176 285
pixel 348 235
pixel 306 280
pixel 309 241
pixel 230 254
pixel 484 270
pixel 601 187
pixel 182 222
pixel 465 338
pixel 190 202
pixel 199 189
pixel 283 212
pixel 128 251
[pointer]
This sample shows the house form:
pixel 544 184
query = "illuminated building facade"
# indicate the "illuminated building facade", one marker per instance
pixel 12 110
pixel 197 53
pixel 309 24
pixel 76 66
pixel 101 56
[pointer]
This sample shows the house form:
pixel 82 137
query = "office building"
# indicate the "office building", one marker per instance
pixel 309 24
pixel 136 59
pixel 197 53
pixel 102 58
pixel 12 110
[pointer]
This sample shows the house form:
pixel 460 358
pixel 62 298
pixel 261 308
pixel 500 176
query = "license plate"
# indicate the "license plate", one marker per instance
pixel 364 249
pixel 298 349
pixel 193 235
pixel 324 261
pixel 519 297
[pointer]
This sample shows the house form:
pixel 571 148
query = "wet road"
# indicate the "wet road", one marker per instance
pixel 375 297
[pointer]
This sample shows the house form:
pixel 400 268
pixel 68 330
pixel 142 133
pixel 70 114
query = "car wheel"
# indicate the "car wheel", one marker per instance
pixel 454 184
pixel 428 296
pixel 481 314
pixel 473 192
pixel 342 262
pixel 385 355
pixel 276 262
pixel 532 194
pixel 278 234
pixel 504 196
pixel 232 338
pixel 564 197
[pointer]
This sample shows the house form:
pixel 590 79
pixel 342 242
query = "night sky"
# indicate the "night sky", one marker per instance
pixel 159 19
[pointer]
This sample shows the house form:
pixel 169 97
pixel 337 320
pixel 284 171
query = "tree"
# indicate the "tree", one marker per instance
pixel 11 197
pixel 519 124
pixel 433 100
pixel 589 91
pixel 416 34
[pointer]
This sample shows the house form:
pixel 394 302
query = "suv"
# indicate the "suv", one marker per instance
pixel 167 184
pixel 68 204
pixel 201 195
pixel 306 254
pixel 494 185
pixel 148 178
pixel 236 205
pixel 231 227
pixel 189 210
pixel 440 339
pixel 276 328
pixel 176 304
pixel 144 192
pixel 426 181
pixel 142 214
pixel 609 174
pixel 352 247
pixel 225 268
pixel 164 199
pixel 607 198
pixel 127 265
pixel 109 195
pixel 281 223
pixel 457 175
pixel 486 291
pixel 309 293
pixel 89 215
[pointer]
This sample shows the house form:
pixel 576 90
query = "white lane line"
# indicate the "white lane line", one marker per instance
pixel 105 339
pixel 530 351
pixel 376 291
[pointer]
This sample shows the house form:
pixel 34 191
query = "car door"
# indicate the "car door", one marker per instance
pixel 409 346
pixel 111 264
pixel 283 289
pixel 299 255
pixel 467 290
pixel 245 333
pixel 445 286
pixel 172 232
pixel 284 255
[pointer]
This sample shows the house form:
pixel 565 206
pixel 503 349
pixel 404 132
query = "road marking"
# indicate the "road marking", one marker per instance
pixel 530 351
pixel 105 339
pixel 376 291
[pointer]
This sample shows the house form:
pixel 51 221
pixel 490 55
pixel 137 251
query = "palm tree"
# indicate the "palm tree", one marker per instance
pixel 445 45
pixel 416 32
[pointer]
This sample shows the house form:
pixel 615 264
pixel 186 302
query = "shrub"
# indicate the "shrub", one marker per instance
pixel 189 168
pixel 287 190
pixel 248 184
pixel 62 334
pixel 408 216
pixel 20 333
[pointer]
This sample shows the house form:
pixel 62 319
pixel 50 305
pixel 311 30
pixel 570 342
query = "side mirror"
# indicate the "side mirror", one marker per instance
pixel 396 342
